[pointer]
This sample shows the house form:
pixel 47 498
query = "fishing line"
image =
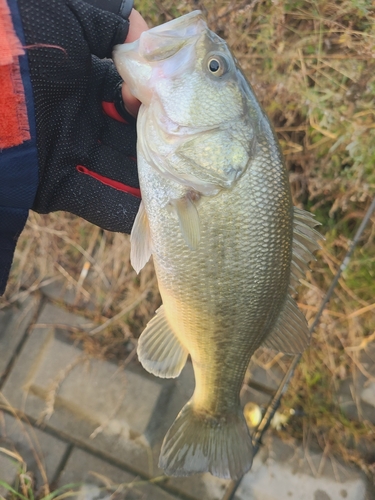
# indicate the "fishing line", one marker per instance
pixel 276 400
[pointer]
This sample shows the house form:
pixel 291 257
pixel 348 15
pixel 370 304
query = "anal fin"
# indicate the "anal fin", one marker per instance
pixel 159 350
pixel 291 332
pixel 140 240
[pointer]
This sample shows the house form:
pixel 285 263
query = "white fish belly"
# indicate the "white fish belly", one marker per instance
pixel 223 298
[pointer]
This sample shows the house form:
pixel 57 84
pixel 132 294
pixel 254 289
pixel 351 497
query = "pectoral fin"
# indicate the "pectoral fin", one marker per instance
pixel 291 333
pixel 188 218
pixel 140 240
pixel 159 350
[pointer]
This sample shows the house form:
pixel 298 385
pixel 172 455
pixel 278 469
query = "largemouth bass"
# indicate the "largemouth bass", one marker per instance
pixel 227 244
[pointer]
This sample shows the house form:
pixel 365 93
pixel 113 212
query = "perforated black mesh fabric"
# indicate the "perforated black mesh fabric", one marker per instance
pixel 69 84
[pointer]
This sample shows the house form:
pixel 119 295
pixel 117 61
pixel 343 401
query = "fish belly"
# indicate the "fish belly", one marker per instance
pixel 223 298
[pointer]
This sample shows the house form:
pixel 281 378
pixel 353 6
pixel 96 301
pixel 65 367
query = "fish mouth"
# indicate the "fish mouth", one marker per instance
pixel 134 61
pixel 180 24
pixel 164 41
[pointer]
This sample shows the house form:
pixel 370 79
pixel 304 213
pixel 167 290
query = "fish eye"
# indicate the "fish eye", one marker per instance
pixel 217 65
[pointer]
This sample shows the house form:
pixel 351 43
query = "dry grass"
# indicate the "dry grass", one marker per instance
pixel 95 265
pixel 311 64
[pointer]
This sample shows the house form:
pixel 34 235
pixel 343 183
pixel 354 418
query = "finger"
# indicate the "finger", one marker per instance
pixel 131 103
pixel 119 135
pixel 137 26
pixel 102 29
pixel 114 90
pixel 120 7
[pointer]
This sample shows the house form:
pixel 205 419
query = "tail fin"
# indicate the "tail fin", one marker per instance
pixel 198 442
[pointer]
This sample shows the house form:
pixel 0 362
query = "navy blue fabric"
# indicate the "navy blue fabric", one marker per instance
pixel 18 173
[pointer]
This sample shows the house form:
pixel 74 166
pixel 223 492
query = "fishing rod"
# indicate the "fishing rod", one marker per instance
pixel 276 400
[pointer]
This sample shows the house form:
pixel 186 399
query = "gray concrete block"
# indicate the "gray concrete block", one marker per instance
pixel 200 486
pixel 57 290
pixel 368 394
pixel 14 321
pixel 41 452
pixel 100 480
pixel 357 396
pixel 9 469
pixel 285 472
pixel 88 400
pixel 124 415
pixel 353 399
pixel 60 291
pixel 121 414
pixel 248 394
pixel 265 371
pixel 52 315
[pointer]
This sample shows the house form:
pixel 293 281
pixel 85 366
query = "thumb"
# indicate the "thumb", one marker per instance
pixel 102 29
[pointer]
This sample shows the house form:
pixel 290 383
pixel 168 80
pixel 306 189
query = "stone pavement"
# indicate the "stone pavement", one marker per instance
pixel 68 418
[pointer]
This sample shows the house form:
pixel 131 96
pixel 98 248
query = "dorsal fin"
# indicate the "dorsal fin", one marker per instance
pixel 305 241
pixel 291 333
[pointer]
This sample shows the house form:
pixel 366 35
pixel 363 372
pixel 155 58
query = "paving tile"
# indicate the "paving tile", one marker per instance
pixel 41 452
pixel 357 396
pixel 115 411
pixel 200 486
pixel 285 472
pixel 248 394
pixel 124 415
pixel 81 467
pixel 368 394
pixel 14 321
pixel 101 479
pixel 267 369
pixel 59 290
pixel 8 472
pixel 354 398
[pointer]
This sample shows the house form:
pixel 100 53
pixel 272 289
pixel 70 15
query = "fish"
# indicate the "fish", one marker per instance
pixel 227 244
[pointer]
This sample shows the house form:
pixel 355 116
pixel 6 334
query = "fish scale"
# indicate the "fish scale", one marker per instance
pixel 217 217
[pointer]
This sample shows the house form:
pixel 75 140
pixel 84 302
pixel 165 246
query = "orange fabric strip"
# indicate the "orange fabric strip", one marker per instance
pixel 14 124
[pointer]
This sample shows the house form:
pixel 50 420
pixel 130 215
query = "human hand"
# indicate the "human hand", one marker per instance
pixel 86 140
pixel 137 26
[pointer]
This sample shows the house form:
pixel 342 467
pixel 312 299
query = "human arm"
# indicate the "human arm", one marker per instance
pixel 77 158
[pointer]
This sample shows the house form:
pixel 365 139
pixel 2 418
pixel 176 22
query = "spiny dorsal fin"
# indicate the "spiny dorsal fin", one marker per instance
pixel 305 242
pixel 291 333
pixel 188 219
pixel 140 240
pixel 159 350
